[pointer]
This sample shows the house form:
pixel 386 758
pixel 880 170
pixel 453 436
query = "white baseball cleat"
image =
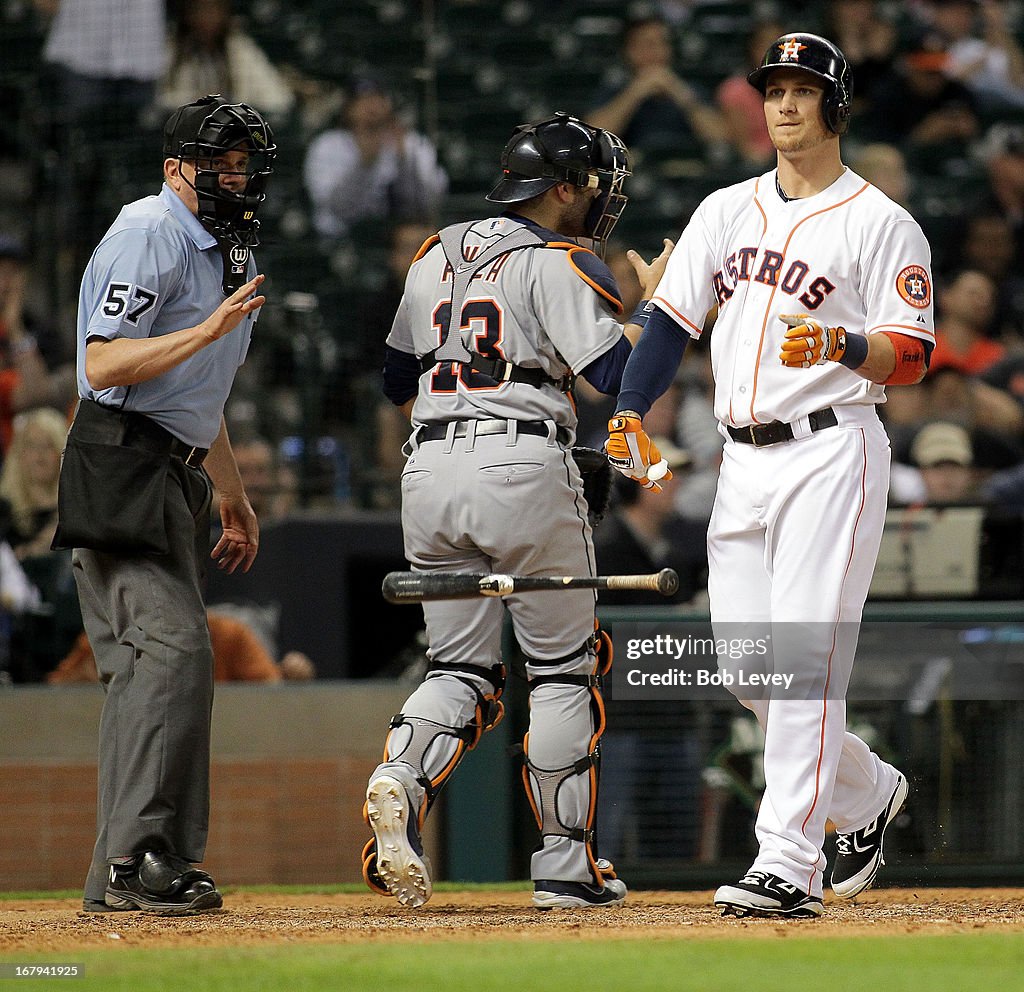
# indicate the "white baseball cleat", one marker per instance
pixel 401 863
pixel 859 853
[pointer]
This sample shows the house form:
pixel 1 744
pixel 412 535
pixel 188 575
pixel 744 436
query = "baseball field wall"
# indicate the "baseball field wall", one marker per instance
pixel 289 771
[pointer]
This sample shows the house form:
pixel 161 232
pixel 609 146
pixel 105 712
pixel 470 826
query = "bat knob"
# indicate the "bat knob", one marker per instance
pixel 668 582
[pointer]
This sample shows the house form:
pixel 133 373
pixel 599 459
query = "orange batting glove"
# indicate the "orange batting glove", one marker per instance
pixel 633 453
pixel 809 342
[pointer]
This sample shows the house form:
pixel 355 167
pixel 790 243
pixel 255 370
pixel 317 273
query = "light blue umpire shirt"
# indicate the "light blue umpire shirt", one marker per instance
pixel 155 271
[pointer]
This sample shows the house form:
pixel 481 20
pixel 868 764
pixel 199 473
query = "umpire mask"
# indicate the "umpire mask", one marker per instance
pixel 203 133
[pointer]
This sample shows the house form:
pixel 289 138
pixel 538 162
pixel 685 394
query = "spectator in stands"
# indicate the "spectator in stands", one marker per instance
pixel 28 495
pixel 210 53
pixel 105 57
pixel 655 110
pixel 964 314
pixel 270 486
pixel 1003 154
pixel 885 167
pixel 238 656
pixel 374 167
pixel 919 107
pixel 983 53
pixel 944 456
pixel 869 42
pixel 28 480
pixel 391 427
pixel 986 244
pixel 993 417
pixel 742 107
pixel 106 54
pixel 642 533
pixel 25 378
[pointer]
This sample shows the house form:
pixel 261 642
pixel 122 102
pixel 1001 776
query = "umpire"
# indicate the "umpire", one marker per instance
pixel 165 317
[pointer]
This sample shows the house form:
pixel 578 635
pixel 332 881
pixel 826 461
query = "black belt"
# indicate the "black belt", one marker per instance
pixel 438 430
pixel 761 435
pixel 192 456
pixel 137 430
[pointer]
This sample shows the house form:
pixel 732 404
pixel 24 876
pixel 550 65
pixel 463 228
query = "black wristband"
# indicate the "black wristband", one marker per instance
pixel 856 351
pixel 641 314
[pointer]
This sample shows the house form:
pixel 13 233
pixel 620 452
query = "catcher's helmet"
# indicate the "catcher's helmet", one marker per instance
pixel 206 129
pixel 820 57
pixel 564 149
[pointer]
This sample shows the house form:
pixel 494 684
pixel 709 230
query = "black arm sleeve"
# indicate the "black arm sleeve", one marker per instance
pixel 604 373
pixel 652 366
pixel 401 375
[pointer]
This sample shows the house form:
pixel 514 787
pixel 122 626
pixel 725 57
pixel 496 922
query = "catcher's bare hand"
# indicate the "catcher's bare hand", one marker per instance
pixel 633 453
pixel 650 275
pixel 229 314
pixel 809 342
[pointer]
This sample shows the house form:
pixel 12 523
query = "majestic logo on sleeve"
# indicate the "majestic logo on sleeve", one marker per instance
pixel 789 51
pixel 914 286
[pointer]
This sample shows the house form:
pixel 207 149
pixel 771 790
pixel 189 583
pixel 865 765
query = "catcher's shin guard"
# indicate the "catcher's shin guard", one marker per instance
pixel 432 747
pixel 567 720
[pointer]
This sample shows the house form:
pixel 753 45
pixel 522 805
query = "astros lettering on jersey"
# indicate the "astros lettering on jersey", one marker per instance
pixel 847 256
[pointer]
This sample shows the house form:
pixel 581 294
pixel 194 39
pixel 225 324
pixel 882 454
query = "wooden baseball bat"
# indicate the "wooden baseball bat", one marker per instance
pixel 416 587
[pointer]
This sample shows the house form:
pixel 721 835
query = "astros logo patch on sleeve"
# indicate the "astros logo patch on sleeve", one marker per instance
pixel 914 286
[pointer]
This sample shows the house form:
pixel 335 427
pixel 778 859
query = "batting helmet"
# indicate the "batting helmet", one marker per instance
pixel 564 149
pixel 819 57
pixel 201 132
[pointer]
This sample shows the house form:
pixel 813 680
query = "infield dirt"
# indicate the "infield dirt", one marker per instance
pixel 258 918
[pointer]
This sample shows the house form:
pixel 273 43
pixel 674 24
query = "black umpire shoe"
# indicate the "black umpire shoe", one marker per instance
pixel 760 893
pixel 859 853
pixel 162 883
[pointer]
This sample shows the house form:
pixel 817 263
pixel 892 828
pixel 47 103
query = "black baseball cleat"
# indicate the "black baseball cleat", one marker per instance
pixel 549 894
pixel 760 893
pixel 163 884
pixel 100 906
pixel 400 865
pixel 859 853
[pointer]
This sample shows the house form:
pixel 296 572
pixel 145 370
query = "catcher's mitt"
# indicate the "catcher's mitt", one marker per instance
pixel 597 481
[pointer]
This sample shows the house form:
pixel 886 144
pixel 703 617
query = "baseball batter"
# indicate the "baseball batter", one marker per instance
pixel 497 317
pixel 823 289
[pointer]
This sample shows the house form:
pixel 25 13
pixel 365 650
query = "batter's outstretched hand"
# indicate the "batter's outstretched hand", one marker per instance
pixel 809 342
pixel 650 275
pixel 633 453
pixel 229 314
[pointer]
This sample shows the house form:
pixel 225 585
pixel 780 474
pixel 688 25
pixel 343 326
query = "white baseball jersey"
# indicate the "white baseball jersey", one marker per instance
pixel 847 256
pixel 546 308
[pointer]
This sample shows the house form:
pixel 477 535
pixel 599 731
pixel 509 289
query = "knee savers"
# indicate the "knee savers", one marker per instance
pixel 562 763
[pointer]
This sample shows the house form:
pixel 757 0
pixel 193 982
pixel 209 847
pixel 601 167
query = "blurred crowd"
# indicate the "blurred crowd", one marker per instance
pixel 378 149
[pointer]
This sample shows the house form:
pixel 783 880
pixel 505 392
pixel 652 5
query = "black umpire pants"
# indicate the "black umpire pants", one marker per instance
pixel 146 620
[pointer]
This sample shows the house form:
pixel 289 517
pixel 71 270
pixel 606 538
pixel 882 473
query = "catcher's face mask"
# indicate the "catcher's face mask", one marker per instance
pixel 606 210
